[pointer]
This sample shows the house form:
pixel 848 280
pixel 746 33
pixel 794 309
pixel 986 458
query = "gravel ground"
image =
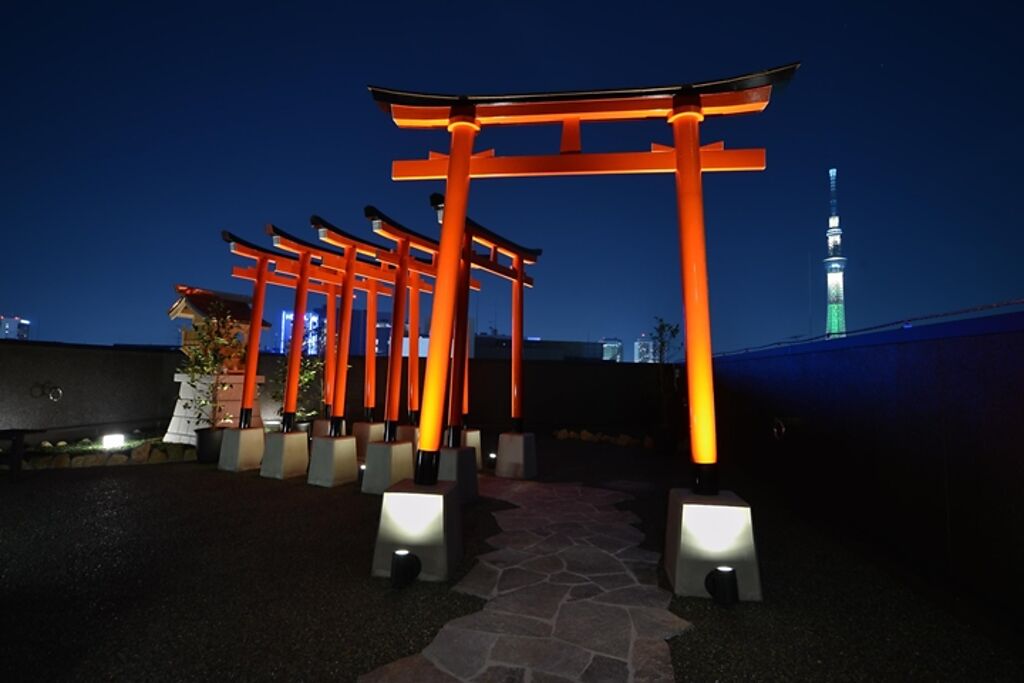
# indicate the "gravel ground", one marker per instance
pixel 180 572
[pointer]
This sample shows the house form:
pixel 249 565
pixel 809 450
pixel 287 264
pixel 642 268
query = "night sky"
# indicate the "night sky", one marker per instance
pixel 133 134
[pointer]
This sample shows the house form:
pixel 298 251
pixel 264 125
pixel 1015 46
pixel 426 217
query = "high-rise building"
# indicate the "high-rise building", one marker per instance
pixel 835 265
pixel 611 349
pixel 14 327
pixel 643 349
pixel 312 331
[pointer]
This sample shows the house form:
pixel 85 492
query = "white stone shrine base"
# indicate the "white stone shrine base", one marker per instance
pixel 517 456
pixel 570 597
pixel 366 433
pixel 409 433
pixel 459 465
pixel 426 521
pixel 387 464
pixel 241 449
pixel 332 461
pixel 285 455
pixel 471 439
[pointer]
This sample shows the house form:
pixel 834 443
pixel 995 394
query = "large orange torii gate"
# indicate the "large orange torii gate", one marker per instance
pixel 683 107
pixel 300 273
pixel 520 256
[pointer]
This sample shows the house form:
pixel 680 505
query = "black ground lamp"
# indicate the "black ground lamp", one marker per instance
pixel 405 567
pixel 721 584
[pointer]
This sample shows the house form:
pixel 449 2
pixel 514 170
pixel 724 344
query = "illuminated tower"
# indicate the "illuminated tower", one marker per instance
pixel 835 264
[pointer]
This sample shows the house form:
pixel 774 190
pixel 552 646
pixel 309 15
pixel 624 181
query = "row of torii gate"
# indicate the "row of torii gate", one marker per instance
pixel 339 266
pixel 706 529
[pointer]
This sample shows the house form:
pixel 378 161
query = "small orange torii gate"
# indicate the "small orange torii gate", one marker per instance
pixel 683 107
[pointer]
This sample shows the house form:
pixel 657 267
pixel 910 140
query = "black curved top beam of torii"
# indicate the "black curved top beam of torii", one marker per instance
pixel 490 238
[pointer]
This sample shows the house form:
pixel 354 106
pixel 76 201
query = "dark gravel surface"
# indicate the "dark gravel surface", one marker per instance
pixel 835 609
pixel 181 572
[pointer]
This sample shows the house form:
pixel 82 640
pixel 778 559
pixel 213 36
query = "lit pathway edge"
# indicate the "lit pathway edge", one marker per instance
pixel 569 594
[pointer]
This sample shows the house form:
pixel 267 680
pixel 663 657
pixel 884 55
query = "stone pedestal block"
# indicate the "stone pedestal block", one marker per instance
pixel 459 465
pixel 409 433
pixel 517 456
pixel 704 532
pixel 241 449
pixel 366 433
pixel 387 464
pixel 285 455
pixel 321 427
pixel 471 439
pixel 426 521
pixel 333 461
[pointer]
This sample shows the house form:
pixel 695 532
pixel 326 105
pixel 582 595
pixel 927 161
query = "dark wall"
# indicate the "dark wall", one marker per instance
pixel 910 438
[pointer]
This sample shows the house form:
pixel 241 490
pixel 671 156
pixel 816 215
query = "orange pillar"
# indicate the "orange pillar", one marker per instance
pixel 463 131
pixel 252 347
pixel 456 392
pixel 394 392
pixel 685 121
pixel 465 383
pixel 517 345
pixel 291 389
pixel 344 335
pixel 329 348
pixel 414 349
pixel 370 355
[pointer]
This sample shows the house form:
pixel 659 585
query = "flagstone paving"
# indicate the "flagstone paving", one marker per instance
pixel 570 597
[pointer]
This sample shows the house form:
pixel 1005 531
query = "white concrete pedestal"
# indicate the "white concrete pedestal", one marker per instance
pixel 426 521
pixel 459 465
pixel 409 433
pixel 517 456
pixel 321 427
pixel 704 532
pixel 471 439
pixel 285 455
pixel 333 461
pixel 366 433
pixel 387 463
pixel 241 449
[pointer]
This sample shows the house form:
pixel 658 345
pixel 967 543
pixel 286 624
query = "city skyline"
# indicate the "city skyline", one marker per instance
pixel 146 152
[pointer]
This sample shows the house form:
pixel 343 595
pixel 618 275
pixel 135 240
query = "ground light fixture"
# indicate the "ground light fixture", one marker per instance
pixel 362 472
pixel 405 567
pixel 113 440
pixel 722 585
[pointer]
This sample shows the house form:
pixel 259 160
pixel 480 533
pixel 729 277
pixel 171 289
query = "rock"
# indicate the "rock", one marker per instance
pixel 562 434
pixel 514 578
pixel 83 461
pixel 100 460
pixel 506 557
pixel 540 600
pixel 480 581
pixel 502 623
pixel 552 544
pixel 584 592
pixel 175 451
pixel 639 555
pixel 462 653
pixel 61 461
pixel 651 661
pixel 613 581
pixel 609 544
pixel 601 628
pixel 544 655
pixel 43 463
pixel 141 452
pixel 85 442
pixel 156 456
pixel 638 596
pixel 190 454
pixel 604 670
pixel 45 444
pixel 588 560
pixel 653 622
pixel 514 539
pixel 573 435
pixel 587 436
pixel 501 674
pixel 62 444
pixel 117 459
pixel 416 668
pixel 548 564
pixel 644 572
pixel 568 578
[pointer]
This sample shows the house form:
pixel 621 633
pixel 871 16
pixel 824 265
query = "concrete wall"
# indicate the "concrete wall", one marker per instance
pixel 910 438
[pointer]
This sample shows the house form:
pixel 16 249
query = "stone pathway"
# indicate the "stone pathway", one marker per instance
pixel 570 597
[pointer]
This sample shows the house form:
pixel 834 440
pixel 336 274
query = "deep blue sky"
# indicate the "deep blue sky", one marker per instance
pixel 132 134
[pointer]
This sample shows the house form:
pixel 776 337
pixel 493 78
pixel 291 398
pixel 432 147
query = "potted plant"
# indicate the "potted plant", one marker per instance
pixel 310 390
pixel 214 347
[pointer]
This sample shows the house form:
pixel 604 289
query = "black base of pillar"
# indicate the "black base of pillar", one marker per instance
pixel 245 418
pixel 414 417
pixel 453 436
pixel 327 411
pixel 288 422
pixel 427 463
pixel 517 425
pixel 391 430
pixel 368 414
pixel 337 427
pixel 705 479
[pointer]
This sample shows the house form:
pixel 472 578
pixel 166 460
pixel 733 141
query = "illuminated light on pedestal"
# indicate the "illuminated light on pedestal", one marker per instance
pixel 424 520
pixel 721 583
pixel 386 464
pixel 241 449
pixel 333 461
pixel 517 456
pixel 405 567
pixel 113 440
pixel 705 533
pixel 285 455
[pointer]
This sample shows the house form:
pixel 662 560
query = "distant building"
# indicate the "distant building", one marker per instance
pixel 611 349
pixel 14 327
pixel 835 266
pixel 643 349
pixel 535 348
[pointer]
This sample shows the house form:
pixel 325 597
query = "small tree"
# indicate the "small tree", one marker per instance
pixel 666 348
pixel 664 336
pixel 214 346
